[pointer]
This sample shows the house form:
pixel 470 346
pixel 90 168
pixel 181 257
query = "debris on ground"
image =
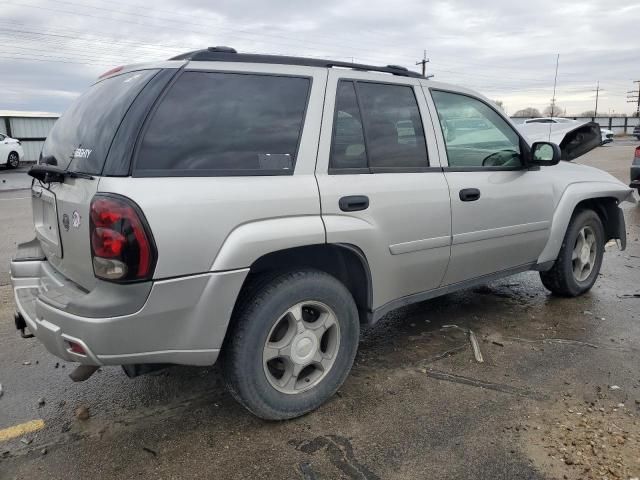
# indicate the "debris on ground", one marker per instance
pixel 41 402
pixel 26 440
pixel 472 339
pixel 152 452
pixel 82 413
pixel 614 387
pixel 43 451
pixel 596 439
pixel 476 347
pixel 27 362
pixel 629 295
pixel 1 391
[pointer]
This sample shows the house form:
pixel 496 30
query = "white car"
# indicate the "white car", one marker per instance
pixel 563 123
pixel 11 151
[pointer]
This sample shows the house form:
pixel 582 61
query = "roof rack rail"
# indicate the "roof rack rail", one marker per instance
pixel 228 54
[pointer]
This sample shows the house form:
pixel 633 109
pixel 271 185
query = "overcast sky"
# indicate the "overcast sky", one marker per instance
pixel 53 49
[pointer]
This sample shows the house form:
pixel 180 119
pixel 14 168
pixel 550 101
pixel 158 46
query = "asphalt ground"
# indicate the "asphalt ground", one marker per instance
pixel 557 396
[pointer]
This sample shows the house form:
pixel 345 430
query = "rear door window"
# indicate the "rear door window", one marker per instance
pixel 391 137
pixel 80 139
pixel 213 123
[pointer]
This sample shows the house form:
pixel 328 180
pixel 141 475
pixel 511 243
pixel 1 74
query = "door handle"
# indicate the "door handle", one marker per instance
pixel 353 203
pixel 469 194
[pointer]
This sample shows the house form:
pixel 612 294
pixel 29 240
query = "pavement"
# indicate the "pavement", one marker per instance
pixel 15 179
pixel 557 396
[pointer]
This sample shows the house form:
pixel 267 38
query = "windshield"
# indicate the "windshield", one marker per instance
pixel 80 139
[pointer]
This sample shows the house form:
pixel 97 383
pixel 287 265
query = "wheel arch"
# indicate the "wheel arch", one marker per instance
pixel 604 201
pixel 346 262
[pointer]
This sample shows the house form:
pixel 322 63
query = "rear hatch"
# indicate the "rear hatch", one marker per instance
pixel 79 142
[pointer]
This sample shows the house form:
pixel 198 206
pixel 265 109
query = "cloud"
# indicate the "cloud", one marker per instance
pixel 505 49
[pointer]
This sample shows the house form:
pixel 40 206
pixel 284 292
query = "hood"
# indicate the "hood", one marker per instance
pixel 574 139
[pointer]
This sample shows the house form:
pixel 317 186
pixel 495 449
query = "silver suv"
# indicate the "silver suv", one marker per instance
pixel 262 208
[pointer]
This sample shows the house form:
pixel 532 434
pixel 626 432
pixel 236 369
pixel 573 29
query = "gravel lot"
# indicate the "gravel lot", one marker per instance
pixel 558 395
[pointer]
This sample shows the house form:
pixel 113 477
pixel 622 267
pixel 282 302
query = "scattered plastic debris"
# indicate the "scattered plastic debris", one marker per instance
pixel 476 347
pixel 614 387
pixel 472 339
pixel 1 391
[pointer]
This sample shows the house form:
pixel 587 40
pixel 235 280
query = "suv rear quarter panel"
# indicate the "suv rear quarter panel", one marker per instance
pixel 192 218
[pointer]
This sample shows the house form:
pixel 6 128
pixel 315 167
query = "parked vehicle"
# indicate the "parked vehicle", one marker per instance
pixel 636 131
pixel 635 170
pixel 261 209
pixel 556 129
pixel 549 120
pixel 11 151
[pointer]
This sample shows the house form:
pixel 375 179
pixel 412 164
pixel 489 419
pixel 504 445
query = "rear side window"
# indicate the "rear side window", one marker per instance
pixel 212 123
pixel 80 139
pixel 377 126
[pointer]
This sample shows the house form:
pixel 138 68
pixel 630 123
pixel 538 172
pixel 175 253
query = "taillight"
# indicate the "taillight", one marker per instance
pixel 121 243
pixel 637 152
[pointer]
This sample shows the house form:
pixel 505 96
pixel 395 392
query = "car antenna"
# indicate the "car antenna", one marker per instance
pixel 553 100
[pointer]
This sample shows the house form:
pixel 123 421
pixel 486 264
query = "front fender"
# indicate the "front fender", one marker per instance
pixel 250 241
pixel 571 197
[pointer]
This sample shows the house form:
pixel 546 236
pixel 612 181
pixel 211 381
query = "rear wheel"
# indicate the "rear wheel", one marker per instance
pixel 578 264
pixel 292 344
pixel 13 160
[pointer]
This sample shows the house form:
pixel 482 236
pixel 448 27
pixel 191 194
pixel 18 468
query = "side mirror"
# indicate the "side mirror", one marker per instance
pixel 545 154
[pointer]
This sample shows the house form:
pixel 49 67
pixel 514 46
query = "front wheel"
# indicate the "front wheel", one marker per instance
pixel 578 264
pixel 292 344
pixel 13 160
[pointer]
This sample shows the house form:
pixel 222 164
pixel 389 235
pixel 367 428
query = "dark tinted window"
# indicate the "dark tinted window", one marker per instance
pixel 80 139
pixel 226 123
pixel 393 127
pixel 348 149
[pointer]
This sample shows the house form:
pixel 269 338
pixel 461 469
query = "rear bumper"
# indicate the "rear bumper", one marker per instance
pixel 182 320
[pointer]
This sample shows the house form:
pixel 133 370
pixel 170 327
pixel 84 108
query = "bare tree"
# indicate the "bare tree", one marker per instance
pixel 499 104
pixel 552 111
pixel 528 112
pixel 588 113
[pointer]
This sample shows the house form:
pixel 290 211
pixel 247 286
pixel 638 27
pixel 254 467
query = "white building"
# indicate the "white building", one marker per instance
pixel 31 128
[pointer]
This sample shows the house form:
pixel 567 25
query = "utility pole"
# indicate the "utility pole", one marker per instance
pixel 635 98
pixel 597 90
pixel 424 62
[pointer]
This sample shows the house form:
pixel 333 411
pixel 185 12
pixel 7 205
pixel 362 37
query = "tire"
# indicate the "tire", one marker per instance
pixel 13 160
pixel 284 314
pixel 566 278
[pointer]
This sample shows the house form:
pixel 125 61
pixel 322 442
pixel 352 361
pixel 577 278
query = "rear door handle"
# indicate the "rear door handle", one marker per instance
pixel 353 203
pixel 469 194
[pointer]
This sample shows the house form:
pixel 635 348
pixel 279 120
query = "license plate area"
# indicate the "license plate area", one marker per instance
pixel 45 220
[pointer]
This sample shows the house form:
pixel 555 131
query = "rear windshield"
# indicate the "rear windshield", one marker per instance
pixel 80 139
pixel 213 123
